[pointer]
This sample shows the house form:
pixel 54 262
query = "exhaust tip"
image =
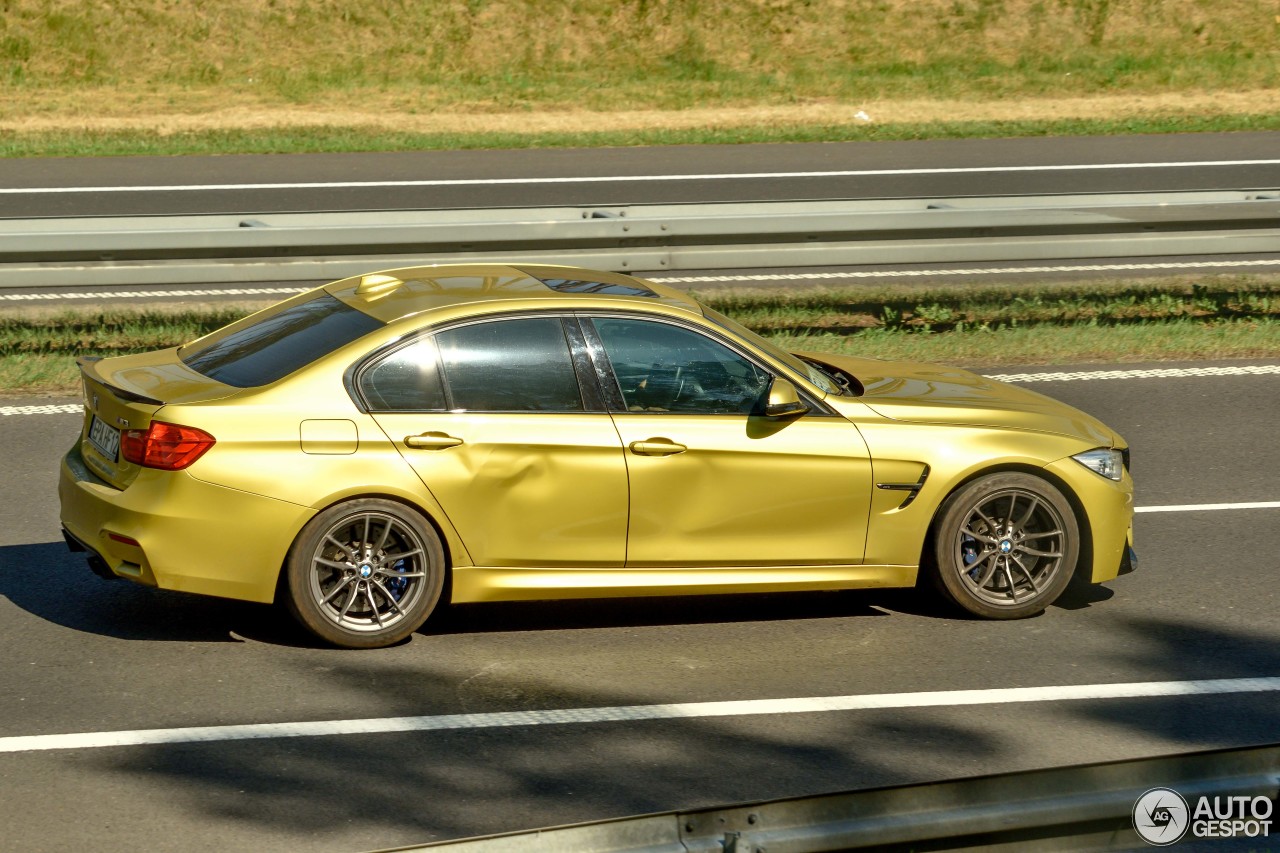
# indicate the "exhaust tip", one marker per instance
pixel 100 568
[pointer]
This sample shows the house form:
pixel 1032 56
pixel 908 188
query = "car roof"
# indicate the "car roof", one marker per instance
pixel 391 295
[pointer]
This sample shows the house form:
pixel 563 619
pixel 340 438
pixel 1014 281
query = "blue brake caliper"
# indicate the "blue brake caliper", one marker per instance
pixel 397 586
pixel 969 552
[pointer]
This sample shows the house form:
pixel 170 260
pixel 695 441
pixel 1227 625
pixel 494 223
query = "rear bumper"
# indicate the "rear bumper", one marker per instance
pixel 97 564
pixel 170 530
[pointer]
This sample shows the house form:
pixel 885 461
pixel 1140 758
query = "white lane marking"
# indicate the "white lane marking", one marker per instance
pixel 638 713
pixel 1146 373
pixel 849 275
pixel 152 294
pixel 52 409
pixel 596 179
pixel 854 275
pixel 1208 507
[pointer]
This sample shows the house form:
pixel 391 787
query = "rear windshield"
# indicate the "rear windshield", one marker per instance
pixel 276 346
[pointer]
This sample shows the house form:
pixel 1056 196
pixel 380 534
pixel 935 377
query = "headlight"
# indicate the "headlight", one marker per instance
pixel 1108 463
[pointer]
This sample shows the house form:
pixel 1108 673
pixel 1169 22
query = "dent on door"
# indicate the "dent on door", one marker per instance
pixel 523 489
pixel 745 490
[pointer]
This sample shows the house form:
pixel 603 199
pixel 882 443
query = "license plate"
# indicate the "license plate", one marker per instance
pixel 105 438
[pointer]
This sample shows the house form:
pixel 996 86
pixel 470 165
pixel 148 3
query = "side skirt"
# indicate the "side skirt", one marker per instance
pixel 479 583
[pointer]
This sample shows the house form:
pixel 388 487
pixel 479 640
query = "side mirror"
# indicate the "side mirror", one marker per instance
pixel 784 400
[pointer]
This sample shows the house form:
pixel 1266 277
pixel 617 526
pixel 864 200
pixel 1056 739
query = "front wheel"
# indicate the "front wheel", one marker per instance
pixel 365 573
pixel 1005 546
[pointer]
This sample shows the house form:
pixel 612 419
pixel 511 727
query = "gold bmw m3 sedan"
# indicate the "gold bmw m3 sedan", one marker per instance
pixel 367 449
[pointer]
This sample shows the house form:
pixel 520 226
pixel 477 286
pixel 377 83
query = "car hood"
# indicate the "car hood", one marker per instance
pixel 933 394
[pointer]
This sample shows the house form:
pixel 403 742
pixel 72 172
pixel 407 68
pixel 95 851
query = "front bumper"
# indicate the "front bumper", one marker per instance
pixel 1108 510
pixel 170 530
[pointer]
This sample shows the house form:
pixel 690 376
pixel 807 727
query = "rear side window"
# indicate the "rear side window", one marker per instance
pixel 408 380
pixel 518 365
pixel 510 366
pixel 275 346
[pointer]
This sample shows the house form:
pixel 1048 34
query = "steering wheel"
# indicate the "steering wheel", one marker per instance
pixel 677 381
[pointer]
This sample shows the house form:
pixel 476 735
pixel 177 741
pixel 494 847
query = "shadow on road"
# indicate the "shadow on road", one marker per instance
pixel 53 584
pixel 1186 651
pixel 423 786
pixel 648 611
pixel 380 790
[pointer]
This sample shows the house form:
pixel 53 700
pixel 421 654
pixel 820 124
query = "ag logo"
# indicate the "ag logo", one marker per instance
pixel 1161 817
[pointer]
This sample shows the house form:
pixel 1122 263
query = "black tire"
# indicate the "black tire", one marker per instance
pixel 365 574
pixel 1005 546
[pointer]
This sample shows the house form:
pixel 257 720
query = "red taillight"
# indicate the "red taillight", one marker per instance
pixel 169 447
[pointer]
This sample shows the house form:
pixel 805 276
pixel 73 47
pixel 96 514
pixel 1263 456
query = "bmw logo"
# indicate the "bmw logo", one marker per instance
pixel 366 570
pixel 1005 546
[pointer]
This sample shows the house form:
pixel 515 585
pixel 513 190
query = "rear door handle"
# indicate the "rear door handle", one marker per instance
pixel 656 447
pixel 431 441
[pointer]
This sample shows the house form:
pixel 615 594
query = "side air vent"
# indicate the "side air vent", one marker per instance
pixel 912 489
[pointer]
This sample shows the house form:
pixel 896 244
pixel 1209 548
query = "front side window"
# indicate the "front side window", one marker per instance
pixel 818 377
pixel 518 365
pixel 261 351
pixel 666 368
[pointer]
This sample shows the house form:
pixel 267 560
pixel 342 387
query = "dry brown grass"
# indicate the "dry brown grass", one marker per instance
pixel 238 40
pixel 556 65
pixel 75 111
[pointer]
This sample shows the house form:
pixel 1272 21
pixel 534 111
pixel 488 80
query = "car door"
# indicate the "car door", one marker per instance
pixel 713 481
pixel 492 417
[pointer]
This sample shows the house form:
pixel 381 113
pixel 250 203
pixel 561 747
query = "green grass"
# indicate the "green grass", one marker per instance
pixel 624 54
pixel 987 306
pixel 88 67
pixel 1172 340
pixel 973 325
pixel 107 332
pixel 83 143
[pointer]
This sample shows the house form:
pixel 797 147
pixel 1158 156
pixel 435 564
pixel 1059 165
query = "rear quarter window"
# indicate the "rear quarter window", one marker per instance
pixel 278 344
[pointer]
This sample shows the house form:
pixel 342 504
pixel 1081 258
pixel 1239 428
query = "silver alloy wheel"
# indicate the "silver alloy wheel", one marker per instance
pixel 368 572
pixel 1010 546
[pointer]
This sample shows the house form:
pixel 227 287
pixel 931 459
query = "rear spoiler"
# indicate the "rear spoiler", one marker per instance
pixel 86 362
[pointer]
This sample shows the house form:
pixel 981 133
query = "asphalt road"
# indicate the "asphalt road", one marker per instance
pixel 528 178
pixel 84 655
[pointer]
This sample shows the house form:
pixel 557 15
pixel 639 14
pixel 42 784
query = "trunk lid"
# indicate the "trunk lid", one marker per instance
pixel 125 393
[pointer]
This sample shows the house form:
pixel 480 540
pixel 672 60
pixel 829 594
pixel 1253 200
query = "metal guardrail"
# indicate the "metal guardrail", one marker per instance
pixel 1088 806
pixel 309 246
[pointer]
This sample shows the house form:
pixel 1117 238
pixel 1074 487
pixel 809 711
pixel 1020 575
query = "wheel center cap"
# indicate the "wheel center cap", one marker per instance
pixel 366 570
pixel 1005 546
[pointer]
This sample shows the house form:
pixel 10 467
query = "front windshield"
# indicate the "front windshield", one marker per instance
pixel 813 373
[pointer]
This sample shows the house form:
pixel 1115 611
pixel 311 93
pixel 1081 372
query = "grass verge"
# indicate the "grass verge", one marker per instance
pixel 974 325
pixel 1174 340
pixel 317 140
pixel 986 307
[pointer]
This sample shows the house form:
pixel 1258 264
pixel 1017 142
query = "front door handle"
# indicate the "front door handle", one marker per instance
pixel 431 441
pixel 656 447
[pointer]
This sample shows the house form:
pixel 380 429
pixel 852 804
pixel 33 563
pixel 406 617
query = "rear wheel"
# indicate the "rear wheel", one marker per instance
pixel 365 573
pixel 1005 546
